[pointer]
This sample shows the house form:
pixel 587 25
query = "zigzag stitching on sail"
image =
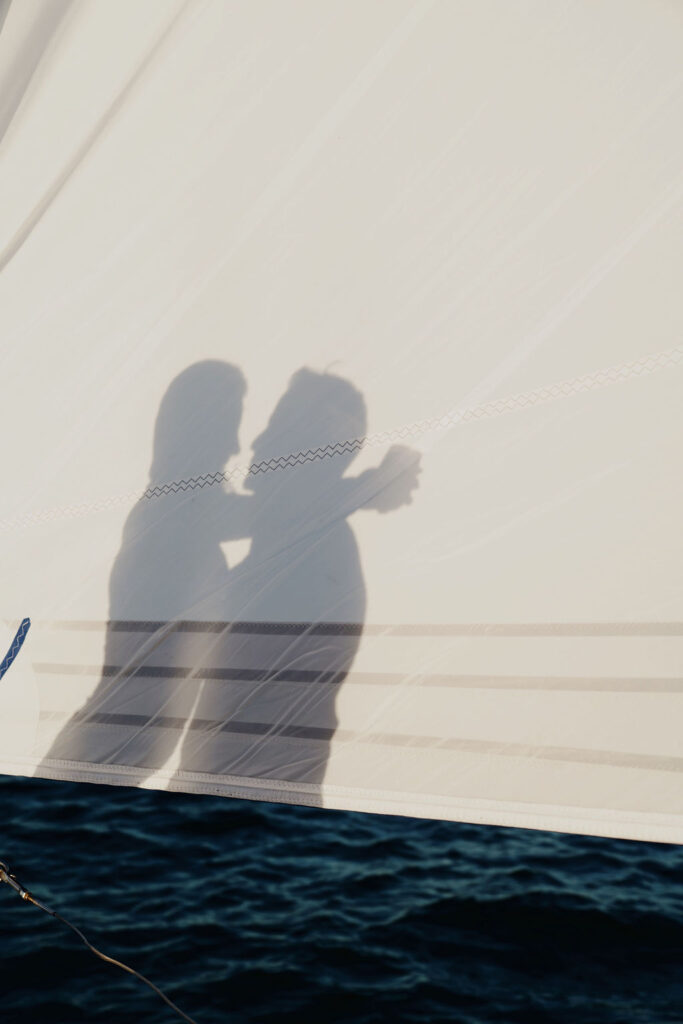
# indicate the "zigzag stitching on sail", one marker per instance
pixel 666 359
pixel 266 466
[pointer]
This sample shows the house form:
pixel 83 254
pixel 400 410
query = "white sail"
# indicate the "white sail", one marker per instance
pixel 341 405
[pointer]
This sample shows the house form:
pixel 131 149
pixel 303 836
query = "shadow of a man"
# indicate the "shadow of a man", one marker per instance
pixel 296 604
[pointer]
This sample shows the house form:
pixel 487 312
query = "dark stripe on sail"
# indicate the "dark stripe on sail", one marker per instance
pixel 591 684
pixel 493 629
pixel 579 755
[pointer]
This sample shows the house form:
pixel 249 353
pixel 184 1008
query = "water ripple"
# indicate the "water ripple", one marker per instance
pixel 252 912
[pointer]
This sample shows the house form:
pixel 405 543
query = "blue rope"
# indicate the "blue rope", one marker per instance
pixel 15 646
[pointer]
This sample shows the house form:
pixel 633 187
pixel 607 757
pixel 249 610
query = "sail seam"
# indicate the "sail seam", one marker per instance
pixel 605 377
pixel 323 677
pixel 372 629
pixel 325 734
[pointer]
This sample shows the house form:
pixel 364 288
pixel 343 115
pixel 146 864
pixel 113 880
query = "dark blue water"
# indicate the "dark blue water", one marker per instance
pixel 254 912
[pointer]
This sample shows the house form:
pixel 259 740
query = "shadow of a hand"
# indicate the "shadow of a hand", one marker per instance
pixel 396 478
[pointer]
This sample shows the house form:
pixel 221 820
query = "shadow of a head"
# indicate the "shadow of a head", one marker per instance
pixel 197 426
pixel 315 419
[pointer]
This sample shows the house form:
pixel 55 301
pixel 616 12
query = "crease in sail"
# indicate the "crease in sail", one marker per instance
pixel 33 219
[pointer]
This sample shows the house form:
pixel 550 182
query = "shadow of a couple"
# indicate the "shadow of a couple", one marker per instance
pixel 237 671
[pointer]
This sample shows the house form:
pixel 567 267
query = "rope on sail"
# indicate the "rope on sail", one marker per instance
pixel 15 646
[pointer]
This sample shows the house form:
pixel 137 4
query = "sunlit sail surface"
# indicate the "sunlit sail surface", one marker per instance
pixel 342 419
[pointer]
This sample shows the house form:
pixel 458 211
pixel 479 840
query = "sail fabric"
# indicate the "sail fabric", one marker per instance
pixel 342 367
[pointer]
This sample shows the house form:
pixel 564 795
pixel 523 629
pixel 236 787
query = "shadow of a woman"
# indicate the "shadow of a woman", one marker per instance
pixel 296 604
pixel 169 565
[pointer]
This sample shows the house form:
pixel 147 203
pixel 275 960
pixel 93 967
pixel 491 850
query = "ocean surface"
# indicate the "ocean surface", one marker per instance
pixel 250 912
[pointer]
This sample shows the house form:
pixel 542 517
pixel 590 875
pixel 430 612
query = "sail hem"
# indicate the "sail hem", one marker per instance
pixel 638 825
